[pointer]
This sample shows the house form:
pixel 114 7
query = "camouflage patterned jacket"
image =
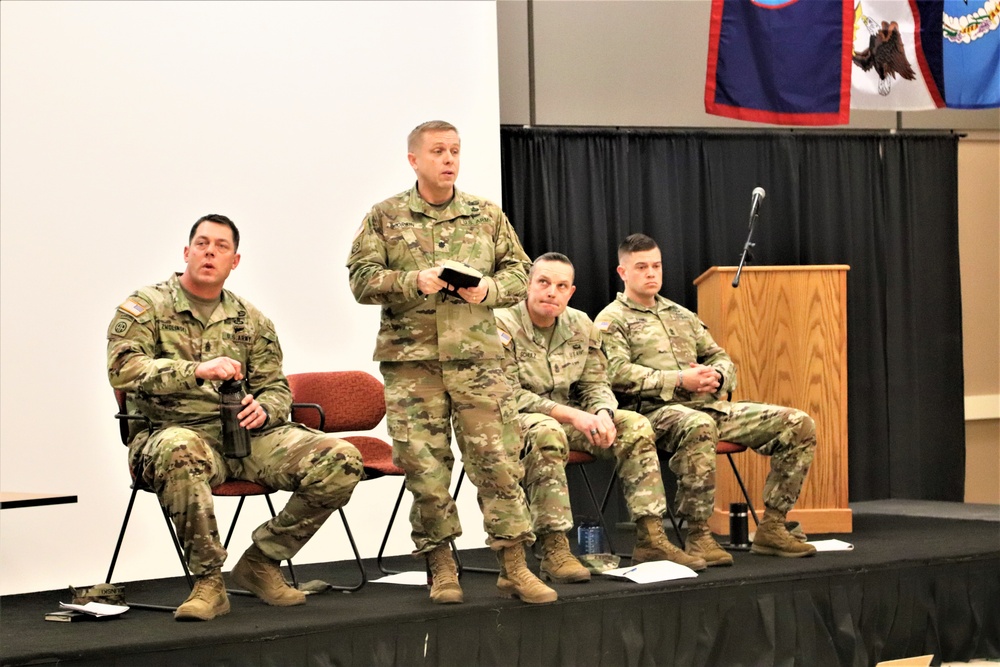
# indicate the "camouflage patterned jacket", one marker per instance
pixel 571 371
pixel 647 347
pixel 403 235
pixel 155 342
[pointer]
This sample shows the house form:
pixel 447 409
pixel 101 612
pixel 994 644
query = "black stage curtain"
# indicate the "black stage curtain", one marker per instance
pixel 887 205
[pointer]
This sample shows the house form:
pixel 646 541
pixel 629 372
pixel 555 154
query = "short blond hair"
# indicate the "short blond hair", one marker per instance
pixel 417 134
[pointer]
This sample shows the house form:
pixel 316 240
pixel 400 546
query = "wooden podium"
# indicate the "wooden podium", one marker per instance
pixel 785 328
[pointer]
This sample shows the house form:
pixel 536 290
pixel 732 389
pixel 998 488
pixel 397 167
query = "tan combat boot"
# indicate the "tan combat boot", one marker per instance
pixel 652 544
pixel 516 580
pixel 558 562
pixel 773 538
pixel 445 588
pixel 262 576
pixel 701 544
pixel 208 599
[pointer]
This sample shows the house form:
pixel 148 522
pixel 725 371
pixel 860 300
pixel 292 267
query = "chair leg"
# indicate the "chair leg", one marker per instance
pixel 270 507
pixel 385 538
pixel 746 495
pixel 674 521
pixel 121 533
pixel 229 536
pixel 357 560
pixel 118 546
pixel 600 507
pixel 236 515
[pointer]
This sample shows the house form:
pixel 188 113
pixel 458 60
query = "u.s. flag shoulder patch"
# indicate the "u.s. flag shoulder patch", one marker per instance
pixel 132 307
pixel 602 325
pixel 504 337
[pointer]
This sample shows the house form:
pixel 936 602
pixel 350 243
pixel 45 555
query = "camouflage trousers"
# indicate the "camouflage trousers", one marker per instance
pixel 546 450
pixel 183 464
pixel 787 435
pixel 424 401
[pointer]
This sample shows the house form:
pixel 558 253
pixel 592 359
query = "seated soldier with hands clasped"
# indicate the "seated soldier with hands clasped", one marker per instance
pixel 554 362
pixel 662 357
pixel 170 345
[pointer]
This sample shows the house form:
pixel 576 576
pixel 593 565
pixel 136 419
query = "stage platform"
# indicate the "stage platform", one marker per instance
pixel 912 585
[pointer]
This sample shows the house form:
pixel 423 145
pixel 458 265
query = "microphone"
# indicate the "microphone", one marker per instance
pixel 758 197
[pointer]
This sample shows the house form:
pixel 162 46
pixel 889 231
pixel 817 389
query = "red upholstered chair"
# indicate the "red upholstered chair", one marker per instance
pixel 229 488
pixel 578 461
pixel 722 447
pixel 344 401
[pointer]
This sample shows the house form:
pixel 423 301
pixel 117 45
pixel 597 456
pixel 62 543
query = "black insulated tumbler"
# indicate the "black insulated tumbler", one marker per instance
pixel 235 438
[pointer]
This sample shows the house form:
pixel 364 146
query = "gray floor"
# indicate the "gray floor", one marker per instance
pixel 929 508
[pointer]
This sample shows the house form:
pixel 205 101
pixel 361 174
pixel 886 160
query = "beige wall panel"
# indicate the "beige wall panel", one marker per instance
pixel 512 51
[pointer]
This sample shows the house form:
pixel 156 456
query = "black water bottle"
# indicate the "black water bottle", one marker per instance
pixel 235 438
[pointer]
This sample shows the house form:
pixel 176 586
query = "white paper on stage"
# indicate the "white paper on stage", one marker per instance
pixel 96 608
pixel 412 578
pixel 653 571
pixel 831 545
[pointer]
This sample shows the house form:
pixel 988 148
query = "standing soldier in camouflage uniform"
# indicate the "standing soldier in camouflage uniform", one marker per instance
pixel 662 356
pixel 168 346
pixel 555 363
pixel 441 359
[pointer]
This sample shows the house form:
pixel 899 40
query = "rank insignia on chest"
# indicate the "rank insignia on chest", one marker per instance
pixel 672 332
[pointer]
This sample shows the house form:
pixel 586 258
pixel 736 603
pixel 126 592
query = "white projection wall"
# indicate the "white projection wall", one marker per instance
pixel 120 125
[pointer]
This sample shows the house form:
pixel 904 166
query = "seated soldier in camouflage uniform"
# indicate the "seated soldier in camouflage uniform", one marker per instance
pixel 662 357
pixel 168 346
pixel 555 364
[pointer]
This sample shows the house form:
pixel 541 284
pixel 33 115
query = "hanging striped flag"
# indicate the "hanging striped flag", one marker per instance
pixel 780 61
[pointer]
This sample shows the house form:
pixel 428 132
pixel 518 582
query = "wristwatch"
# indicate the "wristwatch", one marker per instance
pixel 611 413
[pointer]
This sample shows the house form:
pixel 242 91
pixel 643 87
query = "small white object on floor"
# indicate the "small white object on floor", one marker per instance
pixel 831 545
pixel 411 578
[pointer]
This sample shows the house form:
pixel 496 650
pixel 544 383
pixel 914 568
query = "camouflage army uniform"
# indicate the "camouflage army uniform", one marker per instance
pixel 155 342
pixel 441 358
pixel 571 370
pixel 646 349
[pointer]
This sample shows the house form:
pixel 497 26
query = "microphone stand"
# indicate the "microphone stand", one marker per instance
pixel 746 251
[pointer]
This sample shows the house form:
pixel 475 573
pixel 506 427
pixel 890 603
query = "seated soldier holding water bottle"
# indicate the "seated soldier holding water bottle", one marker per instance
pixel 171 346
pixel 554 362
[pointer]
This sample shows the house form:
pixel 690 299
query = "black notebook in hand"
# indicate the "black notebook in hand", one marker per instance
pixel 459 275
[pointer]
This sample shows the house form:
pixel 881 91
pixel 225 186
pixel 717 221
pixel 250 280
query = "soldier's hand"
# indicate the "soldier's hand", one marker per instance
pixel 701 379
pixel 429 281
pixel 599 428
pixel 474 294
pixel 253 415
pixel 220 368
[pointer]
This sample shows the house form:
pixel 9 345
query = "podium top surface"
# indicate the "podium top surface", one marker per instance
pixel 759 269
